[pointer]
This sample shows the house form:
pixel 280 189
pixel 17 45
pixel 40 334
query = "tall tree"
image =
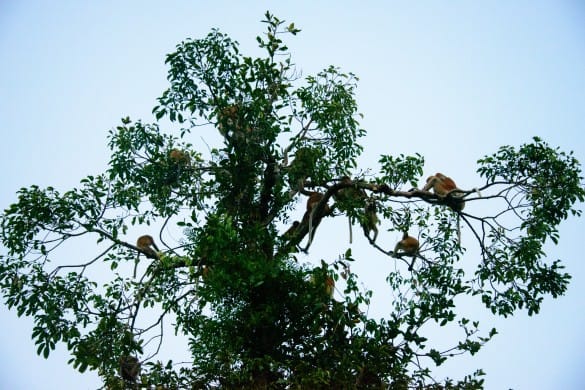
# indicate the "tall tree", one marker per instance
pixel 253 315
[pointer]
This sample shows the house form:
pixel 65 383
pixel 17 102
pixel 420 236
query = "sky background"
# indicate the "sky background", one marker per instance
pixel 452 81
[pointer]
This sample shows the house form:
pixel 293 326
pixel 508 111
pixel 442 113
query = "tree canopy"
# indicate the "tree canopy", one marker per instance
pixel 233 285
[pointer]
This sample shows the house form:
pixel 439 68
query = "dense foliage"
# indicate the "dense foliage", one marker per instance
pixel 255 317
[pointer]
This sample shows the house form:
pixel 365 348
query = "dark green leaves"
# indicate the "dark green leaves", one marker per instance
pixel 401 170
pixel 542 185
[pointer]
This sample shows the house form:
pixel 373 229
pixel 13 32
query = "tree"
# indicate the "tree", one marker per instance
pixel 253 315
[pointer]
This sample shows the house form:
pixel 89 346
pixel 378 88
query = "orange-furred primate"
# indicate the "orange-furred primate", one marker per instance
pixel 179 157
pixel 310 215
pixel 371 220
pixel 145 244
pixel 443 186
pixel 227 119
pixel 129 368
pixel 314 199
pixel 180 162
pixel 231 120
pixel 289 234
pixel 440 183
pixel 408 246
pixel 329 286
pixel 324 282
pixel 230 112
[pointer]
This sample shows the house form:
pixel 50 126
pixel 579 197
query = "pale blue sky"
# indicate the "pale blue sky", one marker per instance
pixel 450 80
